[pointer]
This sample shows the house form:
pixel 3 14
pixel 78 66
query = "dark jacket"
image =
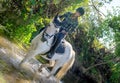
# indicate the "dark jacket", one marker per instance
pixel 68 23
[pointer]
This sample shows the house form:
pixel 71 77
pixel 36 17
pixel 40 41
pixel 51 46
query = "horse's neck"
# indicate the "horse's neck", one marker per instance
pixel 50 31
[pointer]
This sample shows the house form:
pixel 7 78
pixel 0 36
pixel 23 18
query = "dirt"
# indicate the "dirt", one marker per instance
pixel 13 54
pixel 8 74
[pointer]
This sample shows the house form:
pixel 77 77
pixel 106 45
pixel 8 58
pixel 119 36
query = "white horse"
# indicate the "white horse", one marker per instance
pixel 63 61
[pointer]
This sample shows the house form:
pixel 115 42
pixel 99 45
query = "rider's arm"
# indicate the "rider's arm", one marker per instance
pixel 64 15
pixel 74 27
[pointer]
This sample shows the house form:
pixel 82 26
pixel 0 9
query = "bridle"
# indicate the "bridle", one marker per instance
pixel 47 35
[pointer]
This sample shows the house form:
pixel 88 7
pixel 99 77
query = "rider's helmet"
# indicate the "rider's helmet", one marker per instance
pixel 80 10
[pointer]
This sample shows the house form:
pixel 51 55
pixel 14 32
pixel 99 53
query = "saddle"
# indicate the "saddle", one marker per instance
pixel 61 48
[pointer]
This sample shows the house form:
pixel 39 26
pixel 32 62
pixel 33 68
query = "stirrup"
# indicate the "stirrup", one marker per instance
pixel 50 55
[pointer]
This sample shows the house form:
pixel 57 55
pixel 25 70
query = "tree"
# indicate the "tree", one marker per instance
pixel 94 61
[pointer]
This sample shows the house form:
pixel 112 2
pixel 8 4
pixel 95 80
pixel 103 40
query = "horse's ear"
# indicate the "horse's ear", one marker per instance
pixel 55 20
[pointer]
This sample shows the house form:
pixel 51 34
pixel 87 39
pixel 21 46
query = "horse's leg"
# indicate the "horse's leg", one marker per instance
pixel 65 68
pixel 55 68
pixel 29 55
pixel 50 64
pixel 30 52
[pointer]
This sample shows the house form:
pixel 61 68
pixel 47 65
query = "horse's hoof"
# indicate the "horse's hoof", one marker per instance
pixel 40 69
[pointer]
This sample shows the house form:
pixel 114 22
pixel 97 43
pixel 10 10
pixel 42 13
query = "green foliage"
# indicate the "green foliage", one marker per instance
pixel 23 17
pixel 22 33
pixel 113 24
pixel 43 61
pixel 115 77
pixel 75 4
pixel 110 29
pixel 117 50
pixel 20 20
pixel 2 78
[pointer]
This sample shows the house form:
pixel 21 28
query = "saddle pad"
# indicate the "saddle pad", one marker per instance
pixel 60 48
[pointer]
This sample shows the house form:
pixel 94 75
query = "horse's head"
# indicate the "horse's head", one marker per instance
pixel 54 26
pixel 55 23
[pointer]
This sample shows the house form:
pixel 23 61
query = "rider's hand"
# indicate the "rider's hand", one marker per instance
pixel 64 32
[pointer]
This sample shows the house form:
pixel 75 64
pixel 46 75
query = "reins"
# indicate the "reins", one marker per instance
pixel 49 36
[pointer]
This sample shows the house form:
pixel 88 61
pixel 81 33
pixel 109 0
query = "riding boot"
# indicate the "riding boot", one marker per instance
pixel 57 43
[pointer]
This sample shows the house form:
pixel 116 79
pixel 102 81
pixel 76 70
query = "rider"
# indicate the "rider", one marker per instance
pixel 68 24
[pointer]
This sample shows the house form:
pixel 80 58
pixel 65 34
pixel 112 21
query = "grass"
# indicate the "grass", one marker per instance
pixel 41 60
pixel 2 80
pixel 8 74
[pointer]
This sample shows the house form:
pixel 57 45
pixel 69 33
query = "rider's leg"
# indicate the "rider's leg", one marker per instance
pixel 59 38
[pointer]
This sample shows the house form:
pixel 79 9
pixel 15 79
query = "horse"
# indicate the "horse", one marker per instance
pixel 60 61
